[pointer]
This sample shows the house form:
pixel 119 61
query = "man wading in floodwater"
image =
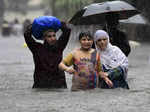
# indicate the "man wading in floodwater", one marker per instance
pixel 47 56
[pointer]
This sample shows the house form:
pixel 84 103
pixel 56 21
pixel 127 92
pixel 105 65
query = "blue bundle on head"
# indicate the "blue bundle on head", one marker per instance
pixel 44 23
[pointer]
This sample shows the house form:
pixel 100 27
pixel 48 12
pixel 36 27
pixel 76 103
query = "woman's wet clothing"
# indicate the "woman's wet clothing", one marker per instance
pixel 116 75
pixel 114 62
pixel 87 70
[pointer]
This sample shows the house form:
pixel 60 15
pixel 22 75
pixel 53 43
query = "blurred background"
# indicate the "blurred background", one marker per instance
pixel 15 14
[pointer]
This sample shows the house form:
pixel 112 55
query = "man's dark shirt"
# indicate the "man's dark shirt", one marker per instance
pixel 46 59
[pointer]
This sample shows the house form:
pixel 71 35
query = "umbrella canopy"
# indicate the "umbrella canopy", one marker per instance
pixel 137 19
pixel 95 13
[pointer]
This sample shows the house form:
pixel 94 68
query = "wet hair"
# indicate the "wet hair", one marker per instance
pixel 49 30
pixel 85 34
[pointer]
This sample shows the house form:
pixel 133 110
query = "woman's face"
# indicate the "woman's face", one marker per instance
pixel 50 38
pixel 86 43
pixel 102 43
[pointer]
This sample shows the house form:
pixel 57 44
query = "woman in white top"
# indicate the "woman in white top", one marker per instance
pixel 114 61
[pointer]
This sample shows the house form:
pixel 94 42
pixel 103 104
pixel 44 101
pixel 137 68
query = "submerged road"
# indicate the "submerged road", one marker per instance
pixel 17 95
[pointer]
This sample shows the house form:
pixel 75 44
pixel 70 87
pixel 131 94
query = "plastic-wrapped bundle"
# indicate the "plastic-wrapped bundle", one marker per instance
pixel 44 23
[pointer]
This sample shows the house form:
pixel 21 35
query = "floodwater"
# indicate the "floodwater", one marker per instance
pixel 17 95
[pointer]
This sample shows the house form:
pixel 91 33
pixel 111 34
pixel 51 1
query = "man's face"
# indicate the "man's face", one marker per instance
pixel 50 37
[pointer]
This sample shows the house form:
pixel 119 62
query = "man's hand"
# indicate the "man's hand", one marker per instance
pixel 63 25
pixel 28 31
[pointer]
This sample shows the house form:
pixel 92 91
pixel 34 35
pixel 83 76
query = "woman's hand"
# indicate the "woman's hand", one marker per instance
pixel 63 67
pixel 109 82
pixel 104 76
pixel 70 70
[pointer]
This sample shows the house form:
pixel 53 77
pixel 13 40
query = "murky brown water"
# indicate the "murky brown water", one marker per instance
pixel 17 95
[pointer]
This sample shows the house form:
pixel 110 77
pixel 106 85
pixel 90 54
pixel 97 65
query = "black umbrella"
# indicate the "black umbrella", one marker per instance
pixel 95 13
